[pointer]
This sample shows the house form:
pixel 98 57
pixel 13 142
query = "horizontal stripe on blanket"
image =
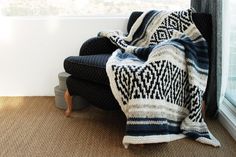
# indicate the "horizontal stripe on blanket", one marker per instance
pixel 158 109
pixel 175 54
pixel 199 75
pixel 194 134
pixel 152 121
pixel 199 39
pixel 139 33
pixel 198 55
pixel 151 139
pixel 168 51
pixel 198 69
pixel 154 108
pixel 201 57
pixel 198 49
pixel 147 130
pixel 153 114
pixel 144 130
pixel 196 127
pixel 129 122
pixel 156 104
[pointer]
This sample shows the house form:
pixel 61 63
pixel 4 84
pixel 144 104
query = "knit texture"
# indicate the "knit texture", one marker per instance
pixel 158 75
pixel 88 67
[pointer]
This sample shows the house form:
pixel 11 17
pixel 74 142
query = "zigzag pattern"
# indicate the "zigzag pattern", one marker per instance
pixel 118 41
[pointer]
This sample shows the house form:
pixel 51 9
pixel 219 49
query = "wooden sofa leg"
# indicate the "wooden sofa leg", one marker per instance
pixel 68 100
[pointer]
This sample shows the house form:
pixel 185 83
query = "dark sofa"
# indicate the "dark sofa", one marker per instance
pixel 88 75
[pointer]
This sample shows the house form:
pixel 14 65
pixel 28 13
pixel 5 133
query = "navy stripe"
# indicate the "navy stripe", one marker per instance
pixel 142 28
pixel 185 40
pixel 201 62
pixel 199 54
pixel 203 55
pixel 194 134
pixel 143 53
pixel 150 133
pixel 197 38
pixel 197 49
pixel 144 130
pixel 147 130
pixel 201 72
pixel 150 127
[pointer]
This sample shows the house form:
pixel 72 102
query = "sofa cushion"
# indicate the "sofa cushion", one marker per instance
pixel 90 68
pixel 96 94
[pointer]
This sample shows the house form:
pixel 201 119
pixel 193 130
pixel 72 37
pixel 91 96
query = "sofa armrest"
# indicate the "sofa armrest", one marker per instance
pixel 97 45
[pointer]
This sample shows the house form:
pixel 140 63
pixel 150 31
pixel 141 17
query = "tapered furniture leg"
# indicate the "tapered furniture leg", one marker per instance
pixel 68 100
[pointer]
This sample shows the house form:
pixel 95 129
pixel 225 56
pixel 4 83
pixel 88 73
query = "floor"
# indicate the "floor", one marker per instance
pixel 33 126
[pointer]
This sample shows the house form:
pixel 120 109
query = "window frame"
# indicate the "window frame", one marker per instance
pixel 227 117
pixel 227 111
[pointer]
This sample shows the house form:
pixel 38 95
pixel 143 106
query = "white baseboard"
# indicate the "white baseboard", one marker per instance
pixel 227 118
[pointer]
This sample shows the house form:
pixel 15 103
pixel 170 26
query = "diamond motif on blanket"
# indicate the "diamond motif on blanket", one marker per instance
pixel 160 86
pixel 178 21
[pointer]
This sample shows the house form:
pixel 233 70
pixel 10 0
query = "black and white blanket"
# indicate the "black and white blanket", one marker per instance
pixel 158 75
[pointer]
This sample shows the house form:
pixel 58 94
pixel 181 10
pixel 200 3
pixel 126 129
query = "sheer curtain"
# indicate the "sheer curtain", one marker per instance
pixel 216 81
pixel 229 47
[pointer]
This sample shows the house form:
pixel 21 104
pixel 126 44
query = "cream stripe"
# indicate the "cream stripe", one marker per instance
pixel 170 53
pixel 187 124
pixel 159 109
pixel 155 107
pixel 154 114
pixel 168 116
pixel 134 27
pixel 151 139
pixel 150 123
pixel 159 103
pixel 192 32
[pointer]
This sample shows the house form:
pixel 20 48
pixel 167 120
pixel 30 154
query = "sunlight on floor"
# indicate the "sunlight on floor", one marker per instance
pixel 5 104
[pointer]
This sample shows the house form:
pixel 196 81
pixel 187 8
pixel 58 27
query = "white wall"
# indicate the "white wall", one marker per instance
pixel 32 50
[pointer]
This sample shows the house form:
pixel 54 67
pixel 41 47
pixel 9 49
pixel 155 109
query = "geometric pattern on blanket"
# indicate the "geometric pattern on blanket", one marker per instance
pixel 175 21
pixel 158 75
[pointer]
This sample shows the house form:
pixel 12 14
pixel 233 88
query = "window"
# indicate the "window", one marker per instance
pixel 231 85
pixel 227 114
pixel 85 7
